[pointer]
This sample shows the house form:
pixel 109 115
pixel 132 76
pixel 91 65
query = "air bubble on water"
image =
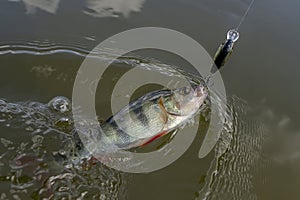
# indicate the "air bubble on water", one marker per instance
pixel 63 189
pixel 29 128
pixel 102 197
pixel 16 197
pixel 62 152
pixel 37 139
pixel 64 121
pixel 68 166
pixel 64 124
pixel 36 131
pixel 60 104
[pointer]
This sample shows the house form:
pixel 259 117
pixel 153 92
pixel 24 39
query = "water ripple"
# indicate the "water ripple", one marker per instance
pixel 34 166
pixel 238 153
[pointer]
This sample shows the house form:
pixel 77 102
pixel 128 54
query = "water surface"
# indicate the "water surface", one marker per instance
pixel 43 44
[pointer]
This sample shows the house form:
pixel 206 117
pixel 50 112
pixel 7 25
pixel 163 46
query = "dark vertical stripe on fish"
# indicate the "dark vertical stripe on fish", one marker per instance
pixel 140 114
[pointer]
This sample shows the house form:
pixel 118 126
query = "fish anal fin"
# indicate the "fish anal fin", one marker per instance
pixel 155 137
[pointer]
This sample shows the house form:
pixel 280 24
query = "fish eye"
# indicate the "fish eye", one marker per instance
pixel 186 90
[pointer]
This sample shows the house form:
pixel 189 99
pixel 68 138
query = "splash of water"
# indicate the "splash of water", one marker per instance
pixel 37 168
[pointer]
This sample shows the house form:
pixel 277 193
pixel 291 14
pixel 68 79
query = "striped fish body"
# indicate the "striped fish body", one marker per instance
pixel 152 116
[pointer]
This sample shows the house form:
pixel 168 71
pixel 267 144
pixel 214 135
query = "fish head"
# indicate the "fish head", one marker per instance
pixel 186 100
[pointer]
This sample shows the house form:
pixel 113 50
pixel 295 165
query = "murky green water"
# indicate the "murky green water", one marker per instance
pixel 42 46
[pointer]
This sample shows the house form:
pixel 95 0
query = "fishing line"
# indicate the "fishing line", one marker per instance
pixel 225 49
pixel 245 15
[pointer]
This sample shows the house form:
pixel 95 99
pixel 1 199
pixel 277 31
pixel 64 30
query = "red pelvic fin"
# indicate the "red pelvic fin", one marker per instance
pixel 155 137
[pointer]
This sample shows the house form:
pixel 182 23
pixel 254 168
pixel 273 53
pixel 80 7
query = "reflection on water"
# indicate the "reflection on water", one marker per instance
pixel 95 8
pixel 50 6
pixel 112 8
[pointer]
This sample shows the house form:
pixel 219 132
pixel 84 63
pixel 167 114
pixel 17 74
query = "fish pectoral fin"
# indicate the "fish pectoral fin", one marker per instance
pixel 163 109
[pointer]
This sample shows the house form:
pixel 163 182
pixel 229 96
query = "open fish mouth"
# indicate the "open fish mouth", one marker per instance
pixel 201 91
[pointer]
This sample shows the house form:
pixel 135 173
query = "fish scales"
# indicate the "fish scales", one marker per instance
pixel 153 115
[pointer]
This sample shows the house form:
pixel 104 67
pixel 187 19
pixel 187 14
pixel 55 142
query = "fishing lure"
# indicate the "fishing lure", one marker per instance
pixel 225 49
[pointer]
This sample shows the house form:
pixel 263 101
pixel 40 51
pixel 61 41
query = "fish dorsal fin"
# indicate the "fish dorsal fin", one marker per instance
pixel 163 109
